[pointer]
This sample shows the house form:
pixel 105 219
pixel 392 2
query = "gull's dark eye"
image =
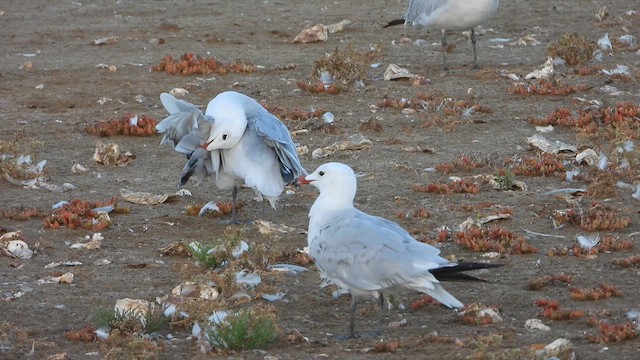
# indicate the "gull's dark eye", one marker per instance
pixel 321 173
pixel 225 136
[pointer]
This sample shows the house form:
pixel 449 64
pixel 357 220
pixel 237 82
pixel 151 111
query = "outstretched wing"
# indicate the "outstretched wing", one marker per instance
pixel 276 136
pixel 185 128
pixel 183 119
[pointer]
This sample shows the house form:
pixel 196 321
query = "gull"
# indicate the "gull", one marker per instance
pixel 236 141
pixel 453 15
pixel 369 255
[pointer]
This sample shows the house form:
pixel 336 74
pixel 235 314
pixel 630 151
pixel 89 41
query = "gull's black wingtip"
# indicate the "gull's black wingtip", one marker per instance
pixel 456 273
pixel 394 23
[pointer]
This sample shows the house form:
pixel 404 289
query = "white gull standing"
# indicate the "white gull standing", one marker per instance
pixel 237 141
pixel 453 15
pixel 369 255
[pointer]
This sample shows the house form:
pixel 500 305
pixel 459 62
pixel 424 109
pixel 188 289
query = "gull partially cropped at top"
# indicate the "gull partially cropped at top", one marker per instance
pixel 236 141
pixel 369 255
pixel 452 15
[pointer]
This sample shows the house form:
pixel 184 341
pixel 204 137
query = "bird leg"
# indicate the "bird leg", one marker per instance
pixel 444 49
pixel 234 205
pixel 352 317
pixel 234 209
pixel 473 44
pixel 381 315
pixel 352 321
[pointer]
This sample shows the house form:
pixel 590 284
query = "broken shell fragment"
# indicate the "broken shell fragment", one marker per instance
pixel 555 147
pixel 94 243
pixel 13 244
pixel 192 290
pixel 143 198
pixel 588 156
pixel 394 72
pixel 266 227
pixel 500 185
pixel 62 263
pixel 470 222
pixel 355 142
pixel 178 92
pixel 109 154
pixel 18 249
pixel 558 348
pixel 544 129
pixel 337 27
pixel 316 33
pixel 478 311
pixel 111 68
pixel 536 324
pixel 543 72
pixel 66 278
pixel 105 41
pixel 79 169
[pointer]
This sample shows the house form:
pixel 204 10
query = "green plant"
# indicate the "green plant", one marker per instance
pixel 131 321
pixel 245 330
pixel 214 254
pixel 504 177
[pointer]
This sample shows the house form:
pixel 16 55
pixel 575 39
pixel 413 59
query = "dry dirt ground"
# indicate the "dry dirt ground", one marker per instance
pixel 50 120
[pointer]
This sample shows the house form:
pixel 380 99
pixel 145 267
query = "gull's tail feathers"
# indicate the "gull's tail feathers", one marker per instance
pixel 440 294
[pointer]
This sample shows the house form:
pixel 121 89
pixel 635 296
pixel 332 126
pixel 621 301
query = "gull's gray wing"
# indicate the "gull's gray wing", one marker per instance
pixel 183 119
pixel 186 128
pixel 419 8
pixel 276 136
pixel 371 254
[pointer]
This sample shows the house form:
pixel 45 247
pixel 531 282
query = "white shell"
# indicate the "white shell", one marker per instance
pixel 19 249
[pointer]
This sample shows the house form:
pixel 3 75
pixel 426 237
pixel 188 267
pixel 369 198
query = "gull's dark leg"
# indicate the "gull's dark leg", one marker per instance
pixel 234 205
pixel 380 316
pixel 352 321
pixel 473 44
pixel 352 317
pixel 234 209
pixel 444 49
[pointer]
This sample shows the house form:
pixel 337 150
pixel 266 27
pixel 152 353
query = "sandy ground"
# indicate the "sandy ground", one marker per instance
pixel 47 105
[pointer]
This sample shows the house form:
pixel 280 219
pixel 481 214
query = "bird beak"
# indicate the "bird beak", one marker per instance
pixel 303 181
pixel 206 145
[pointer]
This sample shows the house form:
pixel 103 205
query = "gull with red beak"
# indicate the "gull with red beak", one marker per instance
pixel 236 141
pixel 370 255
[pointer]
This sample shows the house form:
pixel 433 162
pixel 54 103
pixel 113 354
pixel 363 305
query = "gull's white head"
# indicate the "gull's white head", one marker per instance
pixel 225 133
pixel 230 121
pixel 333 178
